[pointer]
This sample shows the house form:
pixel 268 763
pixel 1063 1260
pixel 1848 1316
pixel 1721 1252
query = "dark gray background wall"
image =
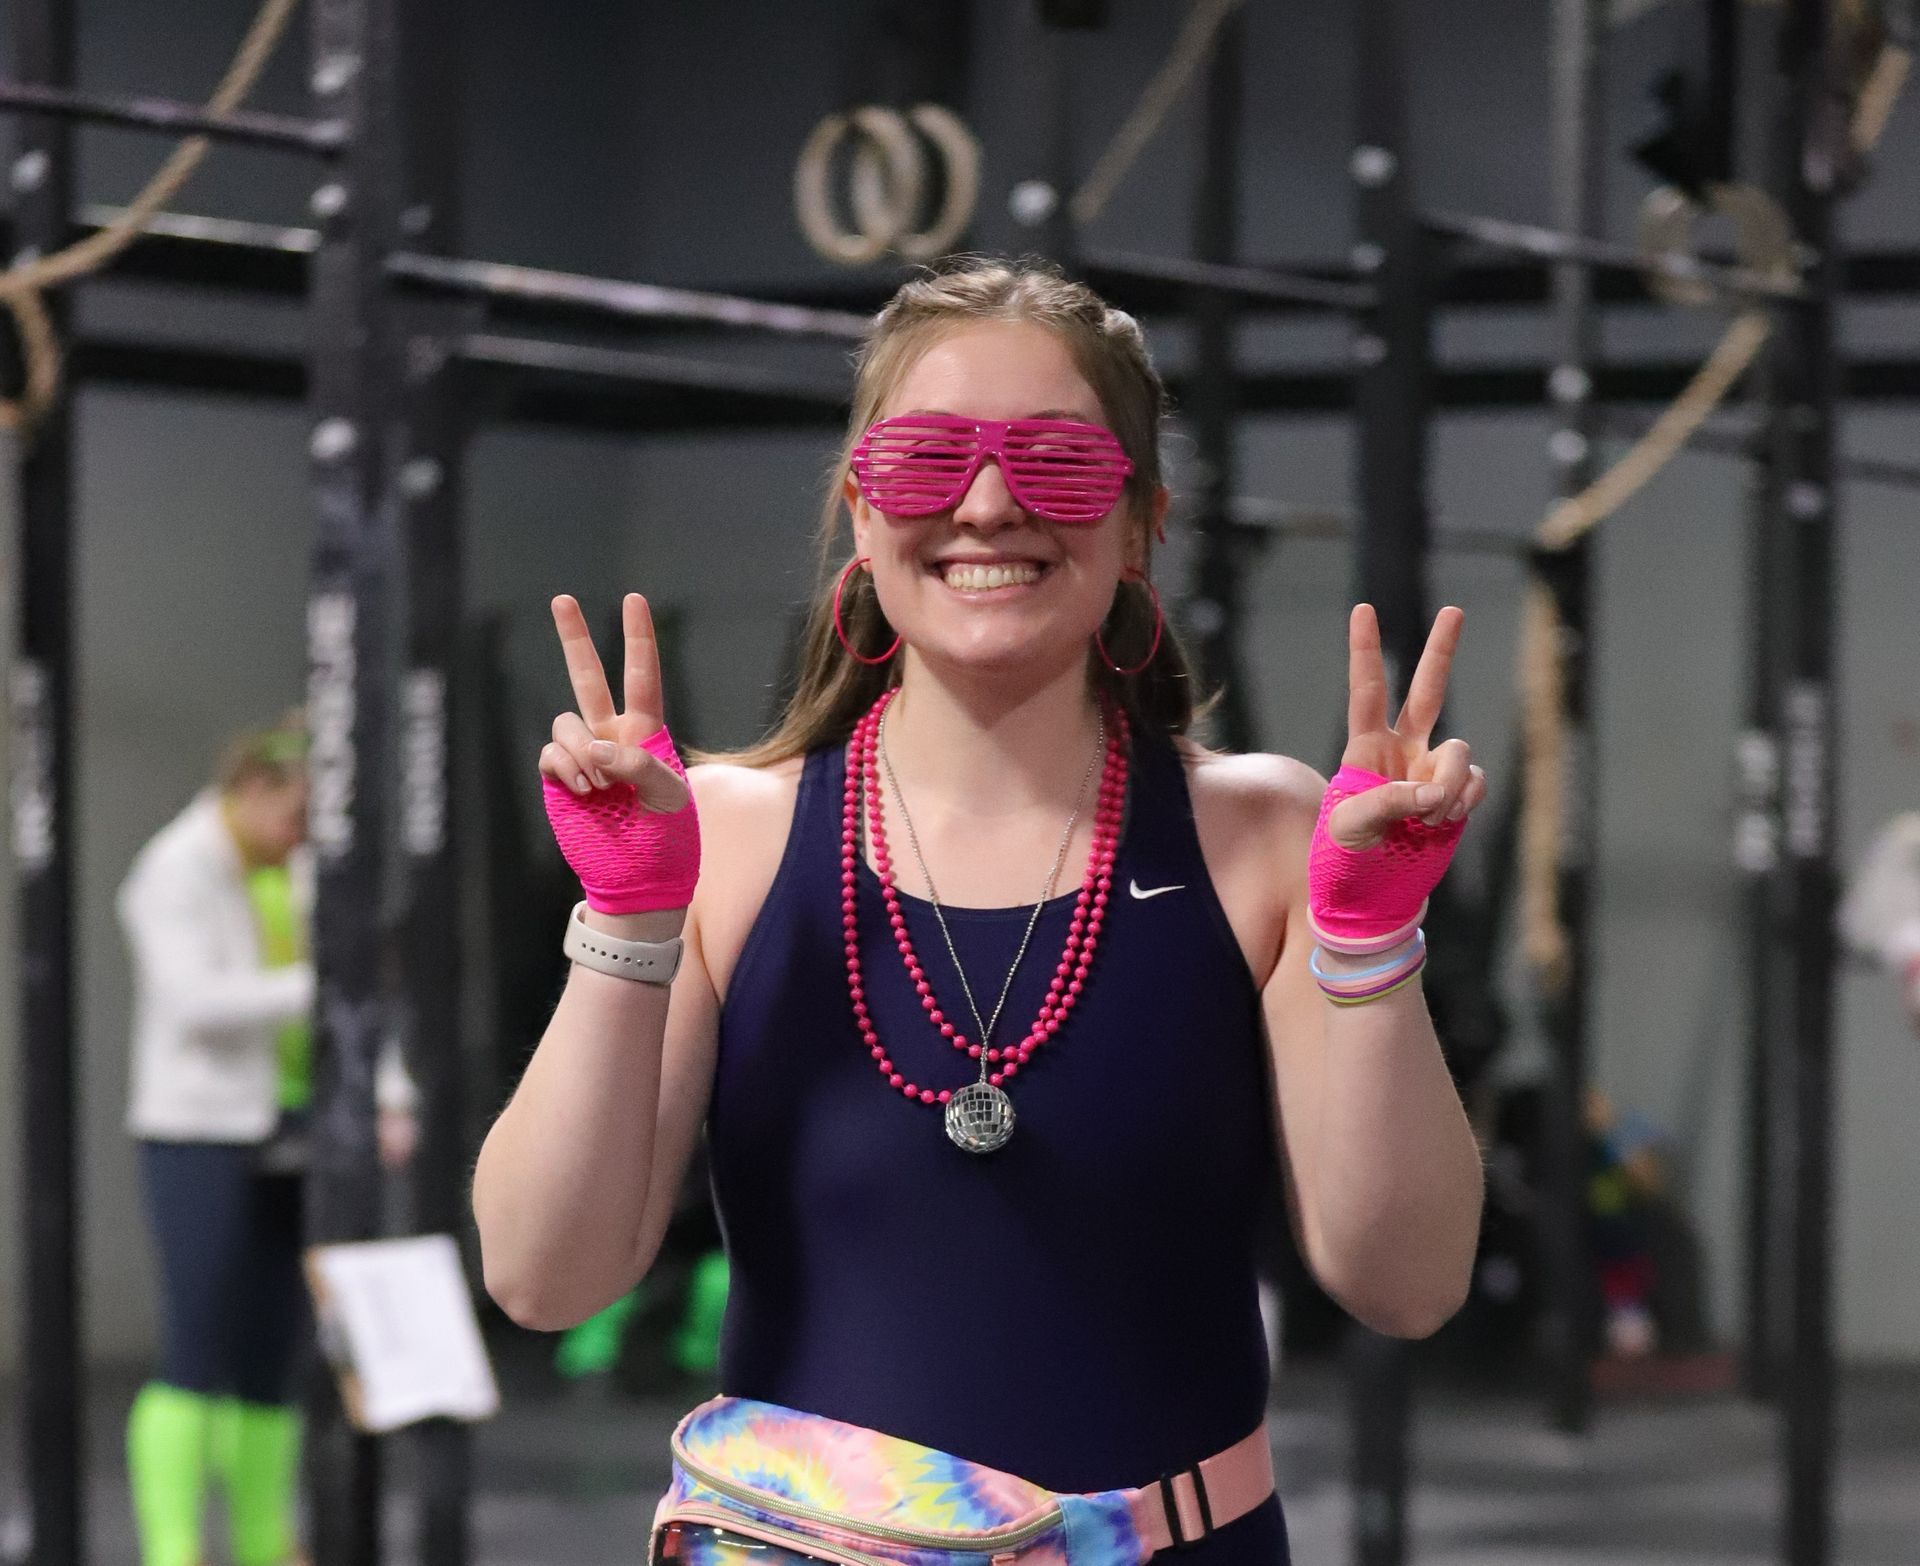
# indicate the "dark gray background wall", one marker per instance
pixel 656 142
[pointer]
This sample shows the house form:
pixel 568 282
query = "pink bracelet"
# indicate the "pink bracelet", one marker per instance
pixel 1367 984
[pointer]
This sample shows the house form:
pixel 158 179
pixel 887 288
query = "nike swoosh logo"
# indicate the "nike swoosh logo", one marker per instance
pixel 1134 887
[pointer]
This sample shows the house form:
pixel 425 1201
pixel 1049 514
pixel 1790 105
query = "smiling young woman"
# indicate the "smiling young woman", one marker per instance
pixel 991 1132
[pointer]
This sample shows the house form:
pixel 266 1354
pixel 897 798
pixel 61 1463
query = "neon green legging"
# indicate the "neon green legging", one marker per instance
pixel 175 1438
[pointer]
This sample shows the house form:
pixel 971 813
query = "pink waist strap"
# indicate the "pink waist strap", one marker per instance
pixel 1184 1508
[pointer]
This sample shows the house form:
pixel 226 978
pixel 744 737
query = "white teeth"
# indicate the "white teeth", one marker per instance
pixel 980 578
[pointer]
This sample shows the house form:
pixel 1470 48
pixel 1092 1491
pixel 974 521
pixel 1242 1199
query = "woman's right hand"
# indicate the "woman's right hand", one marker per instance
pixel 616 793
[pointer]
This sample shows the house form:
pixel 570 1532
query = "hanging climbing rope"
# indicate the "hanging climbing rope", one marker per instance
pixel 1765 244
pixel 23 285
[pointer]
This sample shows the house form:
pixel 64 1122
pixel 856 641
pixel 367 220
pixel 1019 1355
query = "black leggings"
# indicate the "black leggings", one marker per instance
pixel 235 1300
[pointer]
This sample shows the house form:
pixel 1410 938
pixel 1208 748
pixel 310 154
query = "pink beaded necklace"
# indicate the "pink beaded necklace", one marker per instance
pixel 979 1116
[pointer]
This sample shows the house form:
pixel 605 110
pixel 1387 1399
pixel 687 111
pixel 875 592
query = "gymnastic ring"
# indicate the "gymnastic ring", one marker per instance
pixel 1762 236
pixel 959 152
pixel 889 132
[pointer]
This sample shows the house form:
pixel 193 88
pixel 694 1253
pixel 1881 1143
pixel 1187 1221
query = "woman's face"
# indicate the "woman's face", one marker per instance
pixel 994 370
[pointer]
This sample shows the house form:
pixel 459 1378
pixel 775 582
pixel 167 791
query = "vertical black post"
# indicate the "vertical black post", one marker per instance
pixel 1579 208
pixel 1214 612
pixel 429 998
pixel 42 788
pixel 1057 232
pixel 351 386
pixel 1805 380
pixel 1041 199
pixel 1757 859
pixel 430 489
pixel 1392 350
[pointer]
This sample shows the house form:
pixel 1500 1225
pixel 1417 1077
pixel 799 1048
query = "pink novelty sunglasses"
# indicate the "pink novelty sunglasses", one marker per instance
pixel 920 463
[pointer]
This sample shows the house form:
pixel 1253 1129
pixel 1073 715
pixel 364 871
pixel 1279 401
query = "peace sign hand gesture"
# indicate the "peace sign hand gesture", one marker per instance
pixel 1440 786
pixel 616 792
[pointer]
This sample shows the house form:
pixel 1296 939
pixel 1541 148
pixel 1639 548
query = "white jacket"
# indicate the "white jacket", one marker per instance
pixel 206 1009
pixel 1880 913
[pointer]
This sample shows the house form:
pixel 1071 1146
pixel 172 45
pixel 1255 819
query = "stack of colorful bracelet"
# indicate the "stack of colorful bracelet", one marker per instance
pixel 1402 954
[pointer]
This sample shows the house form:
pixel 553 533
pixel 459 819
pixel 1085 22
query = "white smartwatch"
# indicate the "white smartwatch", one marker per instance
pixel 649 962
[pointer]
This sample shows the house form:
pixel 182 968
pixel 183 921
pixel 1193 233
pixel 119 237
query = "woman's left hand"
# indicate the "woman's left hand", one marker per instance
pixel 1436 783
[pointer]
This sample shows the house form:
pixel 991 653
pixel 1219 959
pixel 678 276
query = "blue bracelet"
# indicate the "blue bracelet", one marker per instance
pixel 1313 965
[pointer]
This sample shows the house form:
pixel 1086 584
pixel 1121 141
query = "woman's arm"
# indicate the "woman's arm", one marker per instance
pixel 591 1150
pixel 1383 1174
pixel 1384 1177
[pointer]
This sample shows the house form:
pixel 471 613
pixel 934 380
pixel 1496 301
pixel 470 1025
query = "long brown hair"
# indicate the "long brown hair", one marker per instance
pixel 832 689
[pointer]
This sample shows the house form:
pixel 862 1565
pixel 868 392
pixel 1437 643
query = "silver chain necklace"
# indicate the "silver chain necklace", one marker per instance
pixel 980 1115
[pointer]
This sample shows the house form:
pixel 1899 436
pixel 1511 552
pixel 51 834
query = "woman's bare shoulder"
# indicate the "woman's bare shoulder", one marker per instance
pixel 1253 783
pixel 754 803
pixel 1253 813
pixel 745 815
pixel 730 785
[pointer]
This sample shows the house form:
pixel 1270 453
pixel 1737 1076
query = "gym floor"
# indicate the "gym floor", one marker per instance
pixel 569 1478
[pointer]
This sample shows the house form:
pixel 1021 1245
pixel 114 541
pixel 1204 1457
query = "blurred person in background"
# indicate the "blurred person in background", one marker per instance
pixel 1880 914
pixel 216 910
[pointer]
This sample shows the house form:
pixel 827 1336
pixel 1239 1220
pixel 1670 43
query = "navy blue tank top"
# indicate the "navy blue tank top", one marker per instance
pixel 1078 1308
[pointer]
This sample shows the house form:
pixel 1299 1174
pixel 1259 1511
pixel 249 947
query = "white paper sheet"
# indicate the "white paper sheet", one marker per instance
pixel 399 1321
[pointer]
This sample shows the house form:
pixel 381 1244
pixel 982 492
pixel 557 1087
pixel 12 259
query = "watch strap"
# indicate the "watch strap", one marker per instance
pixel 648 962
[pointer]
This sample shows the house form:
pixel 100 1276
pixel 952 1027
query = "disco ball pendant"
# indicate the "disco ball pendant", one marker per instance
pixel 979 1118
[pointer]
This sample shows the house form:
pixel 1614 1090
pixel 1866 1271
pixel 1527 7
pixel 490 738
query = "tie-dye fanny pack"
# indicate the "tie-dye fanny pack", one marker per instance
pixel 755 1484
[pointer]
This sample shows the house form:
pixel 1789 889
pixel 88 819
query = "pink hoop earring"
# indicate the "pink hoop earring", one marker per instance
pixel 840 630
pixel 1159 620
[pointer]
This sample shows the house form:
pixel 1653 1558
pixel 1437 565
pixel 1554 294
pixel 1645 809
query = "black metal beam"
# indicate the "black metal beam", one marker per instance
pixel 172 367
pixel 1806 389
pixel 1516 385
pixel 1289 521
pixel 43 842
pixel 429 482
pixel 1214 610
pixel 1751 443
pixel 353 392
pixel 1556 246
pixel 1392 354
pixel 246 126
pixel 569 296
pixel 1757 861
pixel 1052 132
pixel 227 255
pixel 1246 285
pixel 573 396
pixel 652 371
pixel 1577 31
pixel 588 392
pixel 1466 280
pixel 268 259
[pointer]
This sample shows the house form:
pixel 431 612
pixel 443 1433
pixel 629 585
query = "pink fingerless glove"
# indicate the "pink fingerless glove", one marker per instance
pixel 1373 899
pixel 629 859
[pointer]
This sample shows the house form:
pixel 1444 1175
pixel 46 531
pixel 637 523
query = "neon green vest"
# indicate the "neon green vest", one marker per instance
pixel 271 889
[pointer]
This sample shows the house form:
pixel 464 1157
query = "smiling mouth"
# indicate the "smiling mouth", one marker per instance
pixel 978 579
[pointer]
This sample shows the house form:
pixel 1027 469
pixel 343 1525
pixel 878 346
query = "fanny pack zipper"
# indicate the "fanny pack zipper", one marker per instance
pixel 724 1521
pixel 999 1539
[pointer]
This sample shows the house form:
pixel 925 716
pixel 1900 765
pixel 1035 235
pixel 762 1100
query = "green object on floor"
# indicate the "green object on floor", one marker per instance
pixel 168 1437
pixel 696 1347
pixel 256 1453
pixel 593 1347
